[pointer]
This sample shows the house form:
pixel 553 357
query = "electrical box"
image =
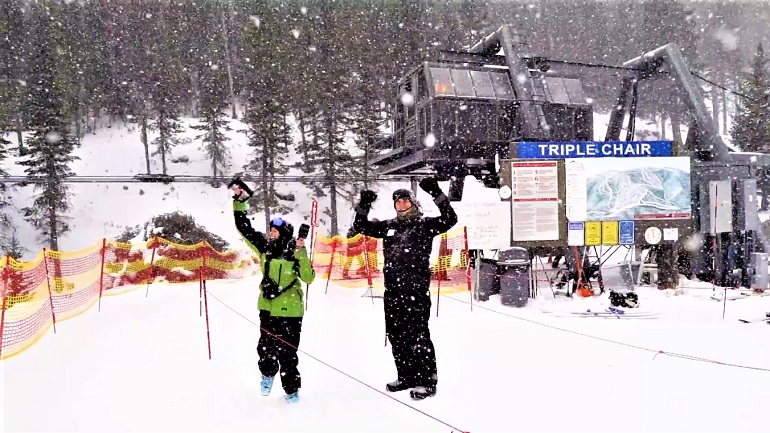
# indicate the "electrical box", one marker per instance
pixel 720 204
pixel 761 275
pixel 746 205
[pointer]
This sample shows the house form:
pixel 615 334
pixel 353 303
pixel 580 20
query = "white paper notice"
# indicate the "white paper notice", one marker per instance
pixel 576 190
pixel 535 201
pixel 489 224
pixel 671 234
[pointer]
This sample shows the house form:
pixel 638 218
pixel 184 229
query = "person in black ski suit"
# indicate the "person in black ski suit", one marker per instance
pixel 407 243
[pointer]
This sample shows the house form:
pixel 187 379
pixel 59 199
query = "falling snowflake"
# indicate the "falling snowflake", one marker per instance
pixel 254 20
pixel 728 39
pixel 407 98
pixel 295 33
pixel 429 140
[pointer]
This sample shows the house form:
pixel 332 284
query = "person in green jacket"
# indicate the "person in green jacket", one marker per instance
pixel 285 265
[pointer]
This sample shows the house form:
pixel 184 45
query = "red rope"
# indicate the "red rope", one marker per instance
pixel 338 370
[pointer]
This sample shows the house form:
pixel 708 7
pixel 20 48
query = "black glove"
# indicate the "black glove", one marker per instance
pixel 430 185
pixel 244 188
pixel 367 199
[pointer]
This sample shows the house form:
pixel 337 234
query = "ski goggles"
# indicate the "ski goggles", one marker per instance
pixel 277 222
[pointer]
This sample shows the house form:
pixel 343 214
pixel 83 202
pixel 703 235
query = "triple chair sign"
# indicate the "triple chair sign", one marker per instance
pixel 603 193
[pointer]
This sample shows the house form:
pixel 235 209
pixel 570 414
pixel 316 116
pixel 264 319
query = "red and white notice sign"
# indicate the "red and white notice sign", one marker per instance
pixel 535 201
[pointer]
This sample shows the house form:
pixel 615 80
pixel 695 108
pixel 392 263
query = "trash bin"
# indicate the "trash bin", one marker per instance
pixel 514 266
pixel 629 274
pixel 485 280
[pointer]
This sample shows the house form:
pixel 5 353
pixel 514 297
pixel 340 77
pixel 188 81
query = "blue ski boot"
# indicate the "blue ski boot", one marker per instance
pixel 293 397
pixel 267 385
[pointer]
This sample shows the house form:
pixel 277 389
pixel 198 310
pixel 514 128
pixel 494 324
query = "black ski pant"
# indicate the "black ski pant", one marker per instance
pixel 275 354
pixel 406 323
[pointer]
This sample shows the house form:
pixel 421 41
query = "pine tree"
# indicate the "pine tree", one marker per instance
pixel 10 244
pixel 213 101
pixel 50 145
pixel 167 78
pixel 12 34
pixel 214 138
pixel 267 107
pixel 268 134
pixel 751 125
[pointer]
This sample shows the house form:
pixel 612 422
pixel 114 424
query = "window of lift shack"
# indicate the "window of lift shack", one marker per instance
pixel 488 84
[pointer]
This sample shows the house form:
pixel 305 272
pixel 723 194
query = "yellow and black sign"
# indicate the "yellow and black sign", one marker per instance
pixel 610 233
pixel 594 233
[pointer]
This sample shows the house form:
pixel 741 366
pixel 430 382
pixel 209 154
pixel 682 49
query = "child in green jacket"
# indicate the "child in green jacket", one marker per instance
pixel 285 265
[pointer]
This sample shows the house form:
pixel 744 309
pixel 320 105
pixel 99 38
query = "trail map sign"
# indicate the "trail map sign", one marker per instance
pixel 615 190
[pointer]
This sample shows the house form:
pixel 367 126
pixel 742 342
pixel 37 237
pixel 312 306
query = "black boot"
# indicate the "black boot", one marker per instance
pixel 397 385
pixel 422 392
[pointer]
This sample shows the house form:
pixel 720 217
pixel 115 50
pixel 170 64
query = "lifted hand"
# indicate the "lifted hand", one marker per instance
pixel 239 194
pixel 430 185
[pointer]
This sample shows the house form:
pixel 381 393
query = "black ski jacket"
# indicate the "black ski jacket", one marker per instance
pixel 407 245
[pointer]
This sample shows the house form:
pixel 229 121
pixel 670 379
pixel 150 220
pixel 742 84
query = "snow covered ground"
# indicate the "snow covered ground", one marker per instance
pixel 141 364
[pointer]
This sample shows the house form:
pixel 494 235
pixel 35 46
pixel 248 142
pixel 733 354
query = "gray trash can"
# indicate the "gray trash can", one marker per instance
pixel 629 274
pixel 485 279
pixel 514 268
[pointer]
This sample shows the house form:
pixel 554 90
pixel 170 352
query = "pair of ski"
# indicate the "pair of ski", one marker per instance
pixel 743 295
pixel 614 312
pixel 759 319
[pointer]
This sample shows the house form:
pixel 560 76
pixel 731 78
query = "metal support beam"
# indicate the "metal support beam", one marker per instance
pixel 711 147
pixel 530 112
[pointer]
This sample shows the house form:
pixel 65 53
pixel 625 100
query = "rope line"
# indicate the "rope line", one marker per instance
pixel 337 369
pixel 607 340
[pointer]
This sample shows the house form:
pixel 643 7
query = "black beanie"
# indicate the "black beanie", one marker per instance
pixel 286 230
pixel 402 193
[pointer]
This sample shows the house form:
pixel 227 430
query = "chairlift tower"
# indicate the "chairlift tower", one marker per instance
pixel 480 111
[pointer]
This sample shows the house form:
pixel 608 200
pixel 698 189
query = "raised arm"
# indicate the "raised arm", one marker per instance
pixel 361 223
pixel 306 271
pixel 256 240
pixel 448 217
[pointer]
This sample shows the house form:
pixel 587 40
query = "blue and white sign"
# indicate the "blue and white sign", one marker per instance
pixel 576 234
pixel 626 229
pixel 592 149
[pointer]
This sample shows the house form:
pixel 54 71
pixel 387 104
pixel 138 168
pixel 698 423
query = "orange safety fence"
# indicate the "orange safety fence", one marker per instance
pixel 344 261
pixel 58 285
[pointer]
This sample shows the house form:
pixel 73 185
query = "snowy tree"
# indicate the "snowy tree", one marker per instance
pixel 268 136
pixel 10 244
pixel 50 145
pixel 6 224
pixel 213 102
pixel 751 125
pixel 268 103
pixel 12 28
pixel 214 126
pixel 167 78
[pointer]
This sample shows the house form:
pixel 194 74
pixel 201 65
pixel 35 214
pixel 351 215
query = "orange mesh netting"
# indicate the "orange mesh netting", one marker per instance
pixel 344 261
pixel 59 285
